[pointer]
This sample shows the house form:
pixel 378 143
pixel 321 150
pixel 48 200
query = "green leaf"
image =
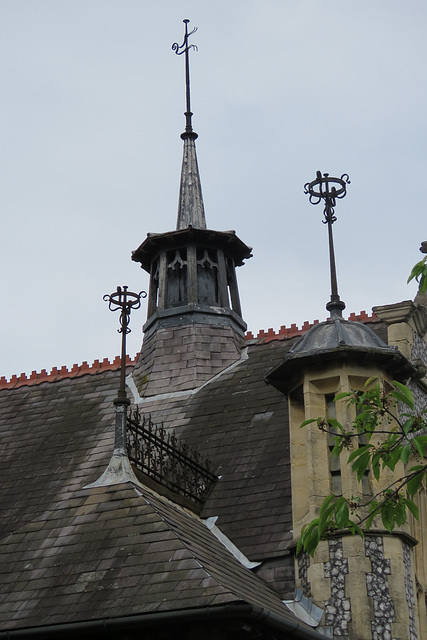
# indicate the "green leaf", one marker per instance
pixel 306 422
pixel 369 381
pixel 309 537
pixel 335 424
pixel 392 458
pixel 400 514
pixel 325 504
pixel 387 516
pixel 404 396
pixel 358 452
pixel 364 417
pixel 342 513
pixel 420 269
pixel 405 453
pixel 415 483
pixel 344 394
pixel 370 519
pixel 312 543
pixel 418 444
pixel 412 508
pixel 337 450
pixel 407 426
pixel 361 465
pixel 355 529
pixel 375 464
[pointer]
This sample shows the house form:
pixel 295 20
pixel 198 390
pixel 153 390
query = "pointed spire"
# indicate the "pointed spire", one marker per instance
pixel 191 211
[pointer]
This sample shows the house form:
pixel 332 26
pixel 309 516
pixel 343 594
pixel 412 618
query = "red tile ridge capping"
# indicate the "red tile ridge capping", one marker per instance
pixel 285 333
pixel 75 371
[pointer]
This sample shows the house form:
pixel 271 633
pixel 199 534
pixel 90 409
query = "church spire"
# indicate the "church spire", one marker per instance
pixel 191 211
pixel 194 308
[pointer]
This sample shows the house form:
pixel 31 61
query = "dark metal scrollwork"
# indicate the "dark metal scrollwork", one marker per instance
pixel 328 189
pixel 125 301
pixel 179 50
pixel 160 455
pixel 185 46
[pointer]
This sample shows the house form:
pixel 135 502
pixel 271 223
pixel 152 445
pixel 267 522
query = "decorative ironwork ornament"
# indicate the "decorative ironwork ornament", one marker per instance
pixel 179 50
pixel 161 456
pixel 329 189
pixel 125 301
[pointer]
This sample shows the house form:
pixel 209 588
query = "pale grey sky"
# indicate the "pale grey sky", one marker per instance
pixel 92 109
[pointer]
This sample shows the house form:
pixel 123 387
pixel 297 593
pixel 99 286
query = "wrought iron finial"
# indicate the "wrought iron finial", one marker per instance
pixel 125 301
pixel 179 50
pixel 329 189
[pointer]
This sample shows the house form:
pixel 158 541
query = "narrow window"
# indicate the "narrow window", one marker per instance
pixel 207 276
pixel 365 482
pixel 334 461
pixel 177 277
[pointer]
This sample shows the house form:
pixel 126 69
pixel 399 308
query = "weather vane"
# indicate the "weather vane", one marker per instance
pixel 125 301
pixel 329 190
pixel 179 50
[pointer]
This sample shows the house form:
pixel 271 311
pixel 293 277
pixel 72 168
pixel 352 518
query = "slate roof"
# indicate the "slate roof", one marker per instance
pixel 54 436
pixel 111 551
pixel 71 553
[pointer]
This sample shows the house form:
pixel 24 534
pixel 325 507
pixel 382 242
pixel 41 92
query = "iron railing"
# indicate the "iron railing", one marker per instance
pixel 172 463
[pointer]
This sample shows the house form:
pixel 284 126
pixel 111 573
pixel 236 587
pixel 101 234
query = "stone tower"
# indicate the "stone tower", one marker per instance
pixel 366 587
pixel 194 321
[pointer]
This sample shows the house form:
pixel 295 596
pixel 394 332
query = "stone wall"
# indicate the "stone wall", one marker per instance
pixel 337 608
pixel 378 589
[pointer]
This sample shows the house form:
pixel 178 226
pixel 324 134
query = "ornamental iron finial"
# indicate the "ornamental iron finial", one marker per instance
pixel 179 50
pixel 125 301
pixel 329 190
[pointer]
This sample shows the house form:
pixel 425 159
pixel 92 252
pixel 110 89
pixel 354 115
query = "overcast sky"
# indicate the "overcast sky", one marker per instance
pixel 92 110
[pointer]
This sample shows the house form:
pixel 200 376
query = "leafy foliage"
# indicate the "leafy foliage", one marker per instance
pixel 388 438
pixel 419 272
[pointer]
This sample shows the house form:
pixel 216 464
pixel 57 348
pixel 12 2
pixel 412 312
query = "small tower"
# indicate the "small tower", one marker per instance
pixel 363 586
pixel 194 316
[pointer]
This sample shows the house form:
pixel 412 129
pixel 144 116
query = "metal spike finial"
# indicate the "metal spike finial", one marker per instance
pixel 329 189
pixel 125 301
pixel 179 50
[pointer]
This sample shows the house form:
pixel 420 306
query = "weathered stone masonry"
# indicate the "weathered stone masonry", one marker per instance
pixel 378 589
pixel 338 610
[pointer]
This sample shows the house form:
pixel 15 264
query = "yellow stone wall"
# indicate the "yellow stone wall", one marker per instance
pixel 348 603
pixel 407 321
pixel 310 455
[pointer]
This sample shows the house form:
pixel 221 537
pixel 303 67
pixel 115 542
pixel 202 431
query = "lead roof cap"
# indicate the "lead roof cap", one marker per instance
pixel 338 341
pixel 156 242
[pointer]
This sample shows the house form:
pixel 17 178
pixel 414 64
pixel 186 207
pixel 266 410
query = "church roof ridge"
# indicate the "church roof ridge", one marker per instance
pixel 98 366
pixel 293 331
pixel 75 371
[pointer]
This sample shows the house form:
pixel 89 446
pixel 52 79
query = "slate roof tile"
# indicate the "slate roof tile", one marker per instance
pixel 165 562
pixel 53 530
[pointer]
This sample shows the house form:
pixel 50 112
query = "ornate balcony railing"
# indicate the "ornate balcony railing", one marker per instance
pixel 161 456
